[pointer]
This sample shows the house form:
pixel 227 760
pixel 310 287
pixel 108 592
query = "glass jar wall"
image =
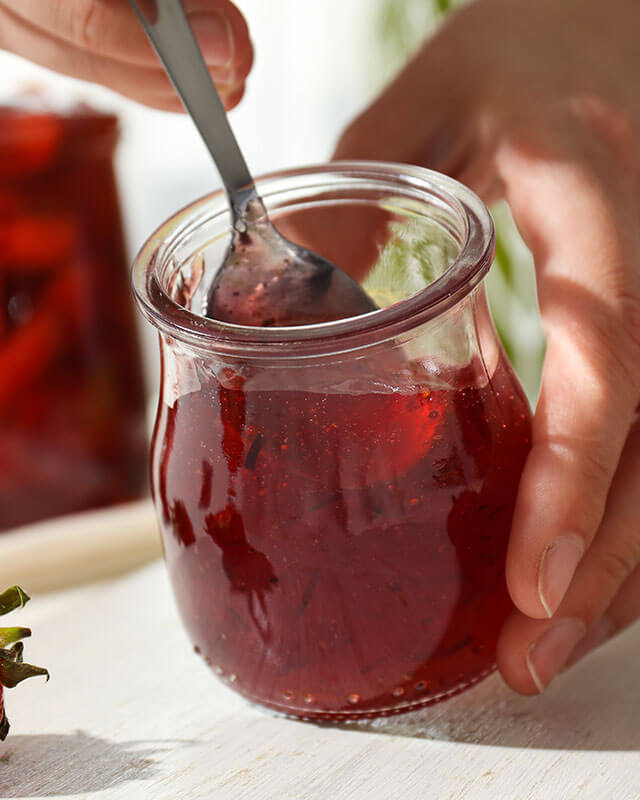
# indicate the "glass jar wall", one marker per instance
pixel 335 500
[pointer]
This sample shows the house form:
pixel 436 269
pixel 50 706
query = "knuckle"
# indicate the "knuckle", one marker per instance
pixel 630 314
pixel 592 455
pixel 622 337
pixel 591 463
pixel 617 564
pixel 355 140
pixel 613 335
pixel 85 26
pixel 348 142
pixel 616 624
pixel 596 464
pixel 610 124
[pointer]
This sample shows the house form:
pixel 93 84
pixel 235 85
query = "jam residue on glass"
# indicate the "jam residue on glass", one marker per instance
pixel 72 417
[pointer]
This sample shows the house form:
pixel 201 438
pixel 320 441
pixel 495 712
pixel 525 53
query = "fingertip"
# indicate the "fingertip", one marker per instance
pixel 511 655
pixel 241 67
pixel 232 99
pixel 537 573
pixel 557 567
pixel 530 653
pixel 236 20
pixel 223 36
pixel 523 583
pixel 347 146
pixel 242 56
pixel 599 633
pixel 375 134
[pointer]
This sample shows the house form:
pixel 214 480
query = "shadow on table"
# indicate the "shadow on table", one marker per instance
pixel 49 765
pixel 593 706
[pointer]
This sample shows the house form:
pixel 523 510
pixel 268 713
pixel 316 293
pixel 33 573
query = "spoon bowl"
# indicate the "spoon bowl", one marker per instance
pixel 268 280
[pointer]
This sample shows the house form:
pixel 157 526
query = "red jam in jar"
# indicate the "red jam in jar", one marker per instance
pixel 335 501
pixel 72 411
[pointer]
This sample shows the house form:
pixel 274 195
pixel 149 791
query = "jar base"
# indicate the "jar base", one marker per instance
pixel 346 716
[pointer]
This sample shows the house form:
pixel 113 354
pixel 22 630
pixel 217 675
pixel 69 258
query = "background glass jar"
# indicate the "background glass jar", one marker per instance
pixel 335 500
pixel 72 410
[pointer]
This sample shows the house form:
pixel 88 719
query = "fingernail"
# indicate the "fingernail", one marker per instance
pixel 215 37
pixel 598 634
pixel 547 655
pixel 558 565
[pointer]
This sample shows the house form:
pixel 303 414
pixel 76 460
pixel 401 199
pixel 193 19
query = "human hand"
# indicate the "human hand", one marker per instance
pixel 102 41
pixel 537 103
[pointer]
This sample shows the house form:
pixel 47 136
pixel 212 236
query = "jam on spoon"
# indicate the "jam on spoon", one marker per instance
pixel 265 279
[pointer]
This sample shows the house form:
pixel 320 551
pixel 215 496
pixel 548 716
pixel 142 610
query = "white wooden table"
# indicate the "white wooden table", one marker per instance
pixel 131 713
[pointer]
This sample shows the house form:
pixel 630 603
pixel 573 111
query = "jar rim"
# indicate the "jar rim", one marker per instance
pixel 459 279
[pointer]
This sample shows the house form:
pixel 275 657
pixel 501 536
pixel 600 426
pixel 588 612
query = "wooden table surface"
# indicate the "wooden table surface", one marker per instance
pixel 130 712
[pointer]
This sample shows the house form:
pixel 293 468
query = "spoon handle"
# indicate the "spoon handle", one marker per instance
pixel 168 29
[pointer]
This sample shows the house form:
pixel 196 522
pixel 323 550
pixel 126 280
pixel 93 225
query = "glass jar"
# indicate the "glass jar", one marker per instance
pixel 72 406
pixel 335 500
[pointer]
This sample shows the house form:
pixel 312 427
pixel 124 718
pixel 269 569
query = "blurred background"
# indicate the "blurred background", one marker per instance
pixel 316 66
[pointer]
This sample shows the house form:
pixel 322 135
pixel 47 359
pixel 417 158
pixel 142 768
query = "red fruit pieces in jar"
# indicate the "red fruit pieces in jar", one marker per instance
pixel 299 430
pixel 30 242
pixel 28 142
pixel 326 580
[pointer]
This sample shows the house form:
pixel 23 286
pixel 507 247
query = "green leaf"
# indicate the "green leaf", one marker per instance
pixel 11 635
pixel 504 263
pixel 13 598
pixel 443 6
pixel 505 339
pixel 13 670
pixel 418 252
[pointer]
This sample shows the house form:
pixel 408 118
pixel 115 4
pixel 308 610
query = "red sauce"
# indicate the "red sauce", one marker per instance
pixel 342 554
pixel 72 416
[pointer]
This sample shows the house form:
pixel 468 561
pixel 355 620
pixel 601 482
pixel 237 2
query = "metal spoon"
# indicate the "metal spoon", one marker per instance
pixel 265 279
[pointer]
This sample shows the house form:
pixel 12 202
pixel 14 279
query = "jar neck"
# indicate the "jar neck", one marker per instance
pixel 178 250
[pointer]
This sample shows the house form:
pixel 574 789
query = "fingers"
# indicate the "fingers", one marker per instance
pixel 575 200
pixel 590 304
pixel 102 41
pixel 109 27
pixel 604 596
pixel 623 612
pixel 569 168
pixel 421 118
